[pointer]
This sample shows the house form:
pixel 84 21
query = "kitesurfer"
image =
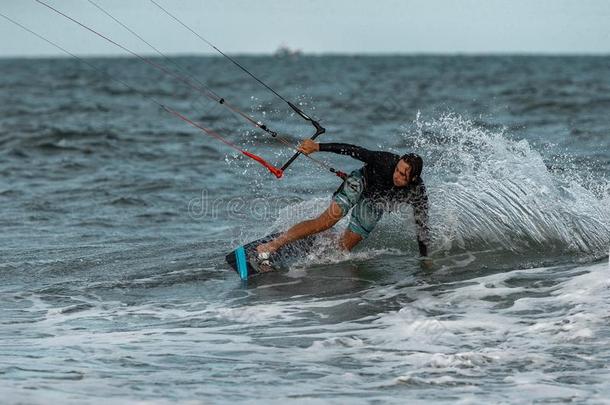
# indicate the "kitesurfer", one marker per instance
pixel 385 182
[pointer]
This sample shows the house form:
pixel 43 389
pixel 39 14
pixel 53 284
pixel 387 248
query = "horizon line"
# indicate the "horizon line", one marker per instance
pixel 318 54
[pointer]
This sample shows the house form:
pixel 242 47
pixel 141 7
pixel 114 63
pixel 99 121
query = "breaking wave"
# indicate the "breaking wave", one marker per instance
pixel 491 193
pixel 488 191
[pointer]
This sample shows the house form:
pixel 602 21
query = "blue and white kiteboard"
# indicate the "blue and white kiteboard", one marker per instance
pixel 244 259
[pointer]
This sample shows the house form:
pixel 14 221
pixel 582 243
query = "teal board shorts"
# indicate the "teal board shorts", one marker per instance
pixel 365 213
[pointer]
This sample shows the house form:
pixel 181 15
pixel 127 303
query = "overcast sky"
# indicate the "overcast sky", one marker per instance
pixel 317 26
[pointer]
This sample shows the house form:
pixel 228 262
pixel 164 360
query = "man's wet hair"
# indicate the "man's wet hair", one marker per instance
pixel 416 163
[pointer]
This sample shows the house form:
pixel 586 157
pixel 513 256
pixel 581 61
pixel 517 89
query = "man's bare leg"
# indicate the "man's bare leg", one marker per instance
pixel 326 220
pixel 349 239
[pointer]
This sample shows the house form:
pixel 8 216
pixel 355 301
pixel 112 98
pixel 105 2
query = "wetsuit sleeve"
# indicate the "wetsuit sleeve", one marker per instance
pixel 357 152
pixel 420 213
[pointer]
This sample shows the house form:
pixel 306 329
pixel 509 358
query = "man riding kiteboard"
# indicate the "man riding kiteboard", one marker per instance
pixel 385 182
pixel 385 179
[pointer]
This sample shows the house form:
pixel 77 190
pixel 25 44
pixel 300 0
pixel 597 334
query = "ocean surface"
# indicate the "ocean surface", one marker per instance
pixel 116 218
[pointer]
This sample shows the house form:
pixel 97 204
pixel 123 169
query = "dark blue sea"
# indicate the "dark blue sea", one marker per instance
pixel 116 217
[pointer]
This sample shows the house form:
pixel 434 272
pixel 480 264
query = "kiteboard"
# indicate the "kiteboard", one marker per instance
pixel 244 260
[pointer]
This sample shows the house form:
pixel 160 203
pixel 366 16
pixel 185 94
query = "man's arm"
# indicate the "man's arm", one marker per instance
pixel 308 146
pixel 354 151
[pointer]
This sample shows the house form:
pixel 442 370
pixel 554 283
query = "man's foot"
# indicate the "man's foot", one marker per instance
pixel 261 262
pixel 267 248
pixel 264 266
pixel 263 257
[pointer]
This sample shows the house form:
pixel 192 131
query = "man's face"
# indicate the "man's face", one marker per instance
pixel 402 174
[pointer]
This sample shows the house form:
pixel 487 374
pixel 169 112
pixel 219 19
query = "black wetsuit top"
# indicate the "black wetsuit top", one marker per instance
pixel 379 185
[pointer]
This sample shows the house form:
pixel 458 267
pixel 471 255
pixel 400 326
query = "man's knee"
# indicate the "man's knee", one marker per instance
pixel 332 215
pixel 324 222
pixel 350 239
pixel 335 211
pixel 328 218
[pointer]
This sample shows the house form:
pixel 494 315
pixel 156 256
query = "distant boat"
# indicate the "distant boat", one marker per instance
pixel 284 51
